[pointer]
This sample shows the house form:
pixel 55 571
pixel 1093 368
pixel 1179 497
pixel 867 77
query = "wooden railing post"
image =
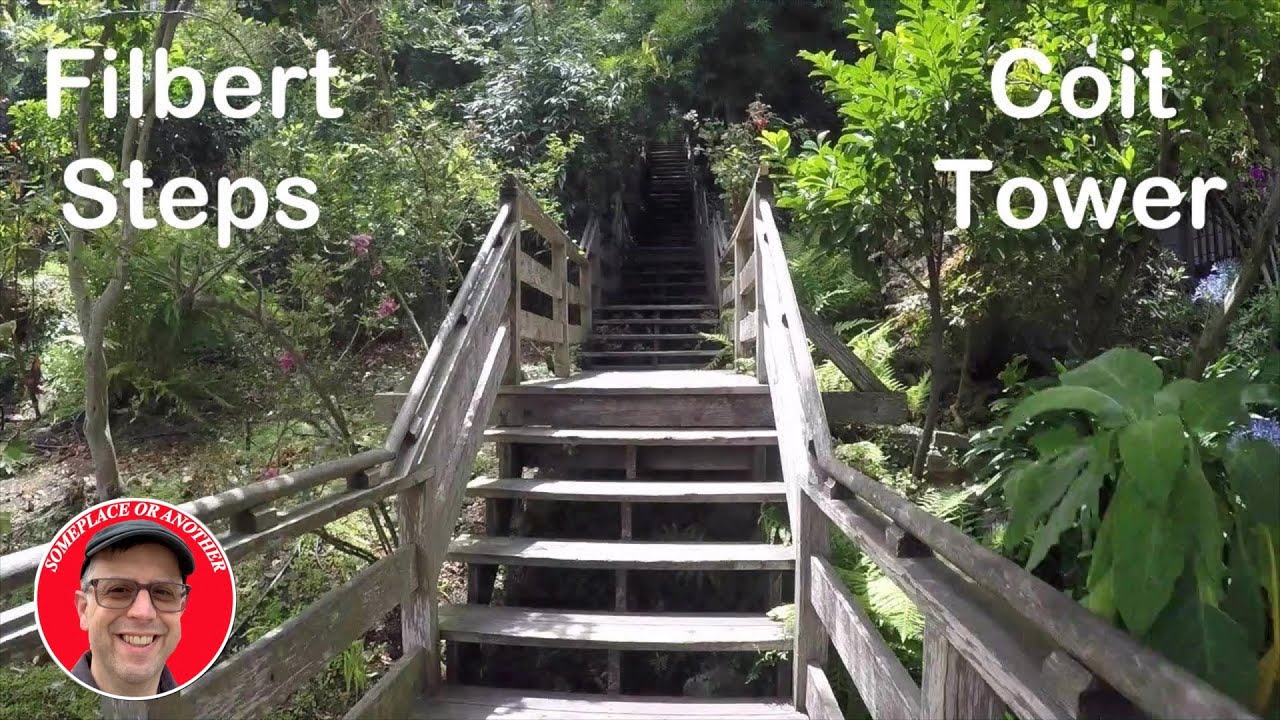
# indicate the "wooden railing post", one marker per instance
pixel 951 688
pixel 510 196
pixel 560 305
pixel 764 192
pixel 812 538
pixel 743 242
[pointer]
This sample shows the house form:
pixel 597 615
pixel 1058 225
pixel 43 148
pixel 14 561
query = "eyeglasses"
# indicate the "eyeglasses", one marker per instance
pixel 119 593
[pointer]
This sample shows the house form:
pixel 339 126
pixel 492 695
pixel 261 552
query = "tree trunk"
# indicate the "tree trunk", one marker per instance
pixel 937 343
pixel 97 420
pixel 1214 336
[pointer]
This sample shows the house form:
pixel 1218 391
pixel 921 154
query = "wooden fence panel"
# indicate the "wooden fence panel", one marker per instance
pixel 262 675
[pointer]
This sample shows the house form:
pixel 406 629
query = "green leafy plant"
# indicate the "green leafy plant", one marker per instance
pixel 354 668
pixel 1170 492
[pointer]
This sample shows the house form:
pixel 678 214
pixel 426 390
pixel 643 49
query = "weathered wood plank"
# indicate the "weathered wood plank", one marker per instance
pixel 531 212
pixel 638 491
pixel 540 328
pixel 651 459
pixel 820 700
pixel 317 513
pixel 230 502
pixel 636 555
pixel 560 306
pixel 635 410
pixel 395 694
pixel 537 276
pixel 747 329
pixel 654 382
pixel 418 508
pixel 476 703
pixel 1087 697
pixel 18 569
pixel 603 630
pixel 262 675
pixel 747 274
pixel 493 255
pixel 641 408
pixel 21 643
pixel 714 437
pixel 1007 660
pixel 884 684
pixel 952 690
pixel 833 347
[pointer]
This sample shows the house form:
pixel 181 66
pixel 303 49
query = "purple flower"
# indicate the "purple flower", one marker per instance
pixel 270 472
pixel 387 308
pixel 1264 429
pixel 360 244
pixel 1217 284
pixel 287 362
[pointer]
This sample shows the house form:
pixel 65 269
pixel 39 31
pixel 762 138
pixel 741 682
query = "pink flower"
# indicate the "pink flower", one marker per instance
pixel 360 244
pixel 387 308
pixel 376 270
pixel 270 473
pixel 287 361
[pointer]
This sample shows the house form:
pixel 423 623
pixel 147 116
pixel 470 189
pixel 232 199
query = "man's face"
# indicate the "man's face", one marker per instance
pixel 130 645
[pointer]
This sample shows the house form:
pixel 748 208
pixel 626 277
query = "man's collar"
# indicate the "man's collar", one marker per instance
pixel 83 673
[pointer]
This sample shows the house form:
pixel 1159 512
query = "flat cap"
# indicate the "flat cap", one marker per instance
pixel 139 531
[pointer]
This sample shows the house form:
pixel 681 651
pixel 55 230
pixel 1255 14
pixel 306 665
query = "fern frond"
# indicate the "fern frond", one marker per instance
pixel 918 394
pixel 952 505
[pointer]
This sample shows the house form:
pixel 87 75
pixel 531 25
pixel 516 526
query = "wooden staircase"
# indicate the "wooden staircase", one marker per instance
pixel 656 317
pixel 635 440
pixel 573 566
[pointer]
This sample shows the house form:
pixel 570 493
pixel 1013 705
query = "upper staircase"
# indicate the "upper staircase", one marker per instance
pixel 658 315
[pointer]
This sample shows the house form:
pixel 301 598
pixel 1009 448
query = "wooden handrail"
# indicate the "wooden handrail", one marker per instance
pixel 993 630
pixel 400 428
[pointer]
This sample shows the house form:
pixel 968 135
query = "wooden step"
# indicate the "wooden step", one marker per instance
pixel 627 491
pixel 657 308
pixel 629 555
pixel 696 632
pixel 703 382
pixel 461 702
pixel 648 367
pixel 677 437
pixel 710 322
pixel 645 337
pixel 640 354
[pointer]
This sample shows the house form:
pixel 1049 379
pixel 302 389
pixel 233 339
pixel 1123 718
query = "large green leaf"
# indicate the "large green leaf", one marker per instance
pixel 1253 467
pixel 1262 394
pixel 1038 487
pixel 1207 642
pixel 1214 405
pixel 1153 451
pixel 1082 493
pixel 1169 400
pixel 1128 377
pixel 1243 601
pixel 1148 552
pixel 1195 509
pixel 1106 409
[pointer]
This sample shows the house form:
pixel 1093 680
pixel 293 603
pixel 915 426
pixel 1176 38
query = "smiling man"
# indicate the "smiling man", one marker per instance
pixel 132 595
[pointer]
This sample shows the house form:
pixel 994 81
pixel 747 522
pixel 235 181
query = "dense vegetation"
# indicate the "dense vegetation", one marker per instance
pixel 1122 402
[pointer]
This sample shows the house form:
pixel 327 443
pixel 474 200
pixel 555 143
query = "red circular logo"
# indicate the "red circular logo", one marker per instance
pixel 135 598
